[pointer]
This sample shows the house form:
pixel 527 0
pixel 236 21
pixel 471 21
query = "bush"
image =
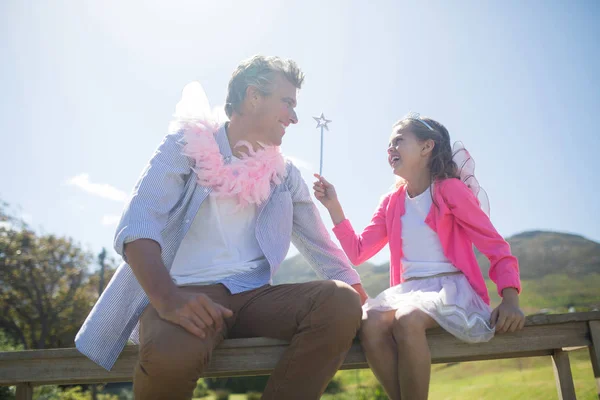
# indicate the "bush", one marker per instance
pixel 372 393
pixel 75 393
pixel 126 394
pixel 242 384
pixel 201 389
pixel 253 396
pixel 334 386
pixel 221 394
pixel 107 396
pixel 6 393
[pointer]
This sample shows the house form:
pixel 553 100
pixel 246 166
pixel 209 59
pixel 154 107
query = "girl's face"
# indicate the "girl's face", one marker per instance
pixel 406 154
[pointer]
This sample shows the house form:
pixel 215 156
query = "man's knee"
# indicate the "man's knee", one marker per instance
pixel 341 304
pixel 163 357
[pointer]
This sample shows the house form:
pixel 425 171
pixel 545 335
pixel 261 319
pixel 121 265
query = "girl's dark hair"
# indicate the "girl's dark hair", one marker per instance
pixel 441 164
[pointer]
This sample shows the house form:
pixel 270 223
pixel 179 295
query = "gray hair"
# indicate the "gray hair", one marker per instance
pixel 259 72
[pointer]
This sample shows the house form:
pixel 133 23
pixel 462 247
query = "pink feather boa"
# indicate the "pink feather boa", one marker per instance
pixel 249 180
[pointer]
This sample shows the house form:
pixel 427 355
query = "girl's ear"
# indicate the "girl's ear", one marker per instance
pixel 427 147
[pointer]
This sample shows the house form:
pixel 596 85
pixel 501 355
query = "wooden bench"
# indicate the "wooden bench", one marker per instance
pixel 543 335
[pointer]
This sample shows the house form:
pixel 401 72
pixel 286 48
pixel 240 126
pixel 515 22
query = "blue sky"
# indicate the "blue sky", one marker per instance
pixel 88 89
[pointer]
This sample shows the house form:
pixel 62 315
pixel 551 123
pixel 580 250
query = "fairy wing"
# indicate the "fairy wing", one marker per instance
pixel 466 173
pixel 194 104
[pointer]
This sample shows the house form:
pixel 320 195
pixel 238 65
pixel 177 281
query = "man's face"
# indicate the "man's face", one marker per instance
pixel 275 112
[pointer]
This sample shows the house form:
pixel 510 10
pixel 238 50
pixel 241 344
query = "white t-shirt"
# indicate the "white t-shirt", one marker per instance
pixel 421 247
pixel 221 242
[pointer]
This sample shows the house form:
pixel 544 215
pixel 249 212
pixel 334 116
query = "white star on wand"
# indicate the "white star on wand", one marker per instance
pixel 322 123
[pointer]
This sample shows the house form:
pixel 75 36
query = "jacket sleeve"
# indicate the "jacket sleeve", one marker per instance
pixel 360 248
pixel 157 191
pixel 504 267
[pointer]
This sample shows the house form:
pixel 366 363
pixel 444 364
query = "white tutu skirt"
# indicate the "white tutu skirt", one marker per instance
pixel 449 300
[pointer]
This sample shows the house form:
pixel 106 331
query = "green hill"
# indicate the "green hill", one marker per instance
pixel 546 253
pixel 558 271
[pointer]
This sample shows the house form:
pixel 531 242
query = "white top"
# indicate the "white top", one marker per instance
pixel 421 247
pixel 221 242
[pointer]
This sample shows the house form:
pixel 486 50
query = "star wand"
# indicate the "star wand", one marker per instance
pixel 322 123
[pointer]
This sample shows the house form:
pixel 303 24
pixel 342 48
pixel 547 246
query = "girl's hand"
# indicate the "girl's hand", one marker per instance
pixel 508 317
pixel 361 292
pixel 325 192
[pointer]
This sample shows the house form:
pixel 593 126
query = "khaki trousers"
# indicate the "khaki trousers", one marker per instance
pixel 320 319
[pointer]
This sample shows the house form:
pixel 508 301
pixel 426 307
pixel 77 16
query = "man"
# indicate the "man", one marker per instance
pixel 202 238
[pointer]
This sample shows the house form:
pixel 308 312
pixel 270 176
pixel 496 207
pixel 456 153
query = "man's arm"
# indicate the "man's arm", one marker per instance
pixel 312 239
pixel 195 313
pixel 139 239
pixel 155 194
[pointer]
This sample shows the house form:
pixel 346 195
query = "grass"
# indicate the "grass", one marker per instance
pixel 530 378
pixel 510 379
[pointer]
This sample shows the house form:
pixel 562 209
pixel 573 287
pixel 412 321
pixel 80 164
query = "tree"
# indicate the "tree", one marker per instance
pixel 45 288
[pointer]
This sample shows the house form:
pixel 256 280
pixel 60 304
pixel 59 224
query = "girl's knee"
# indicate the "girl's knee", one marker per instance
pixel 376 326
pixel 407 324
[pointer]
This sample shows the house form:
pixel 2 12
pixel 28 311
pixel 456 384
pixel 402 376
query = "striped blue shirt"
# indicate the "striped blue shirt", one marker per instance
pixel 163 205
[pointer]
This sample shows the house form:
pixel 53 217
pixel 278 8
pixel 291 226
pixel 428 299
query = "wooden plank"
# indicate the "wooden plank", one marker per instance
pixel 66 366
pixel 50 354
pixel 251 342
pixel 574 348
pixel 563 376
pixel 258 356
pixel 547 319
pixel 530 339
pixel 533 320
pixel 595 351
pixel 24 392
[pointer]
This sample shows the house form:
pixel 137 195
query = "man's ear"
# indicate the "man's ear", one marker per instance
pixel 252 96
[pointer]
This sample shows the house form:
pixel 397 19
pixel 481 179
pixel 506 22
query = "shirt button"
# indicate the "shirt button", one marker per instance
pixel 187 221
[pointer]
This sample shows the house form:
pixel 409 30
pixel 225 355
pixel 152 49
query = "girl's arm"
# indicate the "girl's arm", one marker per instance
pixel 504 267
pixel 358 248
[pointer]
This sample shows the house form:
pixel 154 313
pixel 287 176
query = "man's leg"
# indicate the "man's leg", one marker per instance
pixel 171 359
pixel 320 319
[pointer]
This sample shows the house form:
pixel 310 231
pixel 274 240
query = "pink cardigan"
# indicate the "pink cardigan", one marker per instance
pixel 459 222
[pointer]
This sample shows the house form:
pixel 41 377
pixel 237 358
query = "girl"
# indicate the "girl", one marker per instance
pixel 431 222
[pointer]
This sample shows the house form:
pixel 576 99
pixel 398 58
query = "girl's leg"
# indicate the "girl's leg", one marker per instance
pixel 380 349
pixel 414 358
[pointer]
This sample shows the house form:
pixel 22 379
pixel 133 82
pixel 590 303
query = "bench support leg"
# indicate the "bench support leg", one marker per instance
pixel 24 391
pixel 595 351
pixel 562 374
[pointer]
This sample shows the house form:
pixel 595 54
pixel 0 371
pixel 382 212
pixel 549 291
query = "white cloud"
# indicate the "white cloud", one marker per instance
pixel 110 220
pixel 82 181
pixel 6 225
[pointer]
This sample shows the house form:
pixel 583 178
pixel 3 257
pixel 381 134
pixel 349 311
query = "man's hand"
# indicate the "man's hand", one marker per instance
pixel 196 313
pixel 361 292
pixel 508 317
